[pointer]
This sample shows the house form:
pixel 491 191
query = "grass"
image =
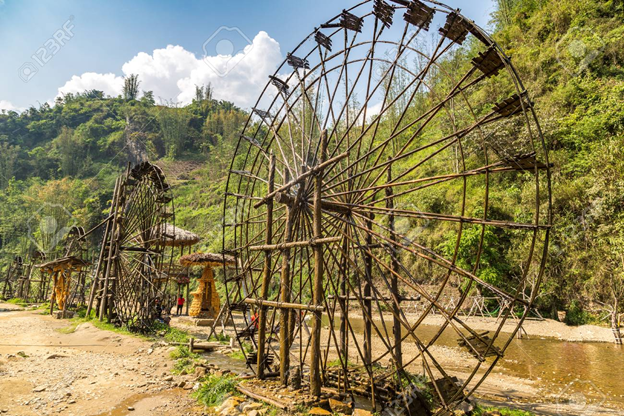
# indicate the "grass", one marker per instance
pixel 237 355
pixel 18 301
pixel 69 329
pixel 215 389
pixel 338 363
pixel 169 334
pixel 224 339
pixel 185 360
pixel 172 334
pixel 504 411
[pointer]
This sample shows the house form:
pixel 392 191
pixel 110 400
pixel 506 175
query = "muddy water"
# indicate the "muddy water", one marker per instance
pixel 595 370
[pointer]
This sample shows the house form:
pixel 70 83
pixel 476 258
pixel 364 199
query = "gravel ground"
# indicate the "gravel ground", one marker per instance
pixel 89 371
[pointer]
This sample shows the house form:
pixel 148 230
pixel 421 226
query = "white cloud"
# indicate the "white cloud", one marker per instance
pixel 109 83
pixel 173 72
pixel 7 105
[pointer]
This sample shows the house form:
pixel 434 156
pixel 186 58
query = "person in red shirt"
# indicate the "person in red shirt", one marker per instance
pixel 180 305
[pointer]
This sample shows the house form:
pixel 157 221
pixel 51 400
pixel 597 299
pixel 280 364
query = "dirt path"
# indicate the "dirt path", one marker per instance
pixel 86 372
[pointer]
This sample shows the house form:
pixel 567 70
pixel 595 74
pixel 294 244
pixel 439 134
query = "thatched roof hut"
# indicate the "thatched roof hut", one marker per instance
pixel 178 237
pixel 63 263
pixel 207 259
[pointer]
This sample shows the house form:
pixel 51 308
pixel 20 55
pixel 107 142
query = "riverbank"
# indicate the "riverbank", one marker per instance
pixel 547 328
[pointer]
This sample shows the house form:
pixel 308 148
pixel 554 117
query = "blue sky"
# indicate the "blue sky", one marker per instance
pixel 100 37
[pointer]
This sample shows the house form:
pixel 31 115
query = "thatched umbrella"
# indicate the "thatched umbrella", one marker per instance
pixel 173 236
pixel 206 303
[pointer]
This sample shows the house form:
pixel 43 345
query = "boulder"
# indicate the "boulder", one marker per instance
pixel 319 411
pixel 339 407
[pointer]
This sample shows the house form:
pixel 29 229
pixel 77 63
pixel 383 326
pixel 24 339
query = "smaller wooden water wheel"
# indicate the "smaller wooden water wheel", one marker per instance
pixel 36 286
pixel 133 271
pixel 75 245
pixel 14 273
pixel 28 284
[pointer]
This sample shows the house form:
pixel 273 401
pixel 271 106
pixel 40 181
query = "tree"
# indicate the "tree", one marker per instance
pixel 148 98
pixel 69 149
pixel 131 87
pixel 203 92
pixel 174 126
pixel 8 157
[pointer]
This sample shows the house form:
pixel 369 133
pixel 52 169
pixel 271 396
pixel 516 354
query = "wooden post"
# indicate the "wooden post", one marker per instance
pixel 188 284
pixel 317 299
pixel 368 302
pixel 343 301
pixel 104 300
pixel 66 281
pixel 6 281
pixel 285 297
pixel 53 297
pixel 266 277
pixel 188 290
pixel 95 286
pixel 396 323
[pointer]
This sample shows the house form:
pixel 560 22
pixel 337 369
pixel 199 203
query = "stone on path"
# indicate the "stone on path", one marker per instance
pixel 318 411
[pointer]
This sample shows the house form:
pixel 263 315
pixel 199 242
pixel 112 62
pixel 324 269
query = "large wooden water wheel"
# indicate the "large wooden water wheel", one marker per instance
pixel 133 271
pixel 380 183
pixel 75 245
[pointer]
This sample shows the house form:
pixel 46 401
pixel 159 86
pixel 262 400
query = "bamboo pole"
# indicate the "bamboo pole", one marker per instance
pixel 343 300
pixel 260 397
pixel 285 299
pixel 266 277
pixel 95 285
pixel 315 353
pixel 368 307
pixel 295 244
pixel 104 298
pixel 396 322
pixel 284 305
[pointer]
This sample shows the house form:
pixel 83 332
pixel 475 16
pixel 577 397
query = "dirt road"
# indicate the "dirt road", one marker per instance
pixel 87 371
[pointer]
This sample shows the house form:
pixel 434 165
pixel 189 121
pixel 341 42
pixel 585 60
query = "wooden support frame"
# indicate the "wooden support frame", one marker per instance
pixel 266 274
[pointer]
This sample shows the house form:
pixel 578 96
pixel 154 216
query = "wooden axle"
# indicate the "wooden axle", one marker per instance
pixel 311 172
pixel 284 305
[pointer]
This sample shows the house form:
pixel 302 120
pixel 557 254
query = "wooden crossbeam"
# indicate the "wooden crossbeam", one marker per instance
pixel 294 244
pixel 284 305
